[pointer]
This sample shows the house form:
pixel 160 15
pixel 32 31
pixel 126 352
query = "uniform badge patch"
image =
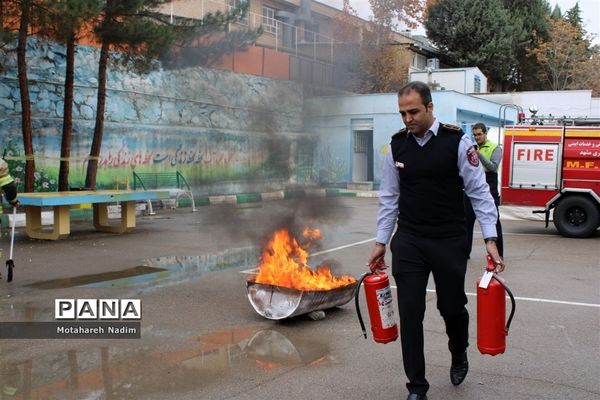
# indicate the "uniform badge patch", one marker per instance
pixel 472 156
pixel 399 164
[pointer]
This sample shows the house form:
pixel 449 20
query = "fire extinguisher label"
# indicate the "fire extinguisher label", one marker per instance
pixel 485 279
pixel 386 308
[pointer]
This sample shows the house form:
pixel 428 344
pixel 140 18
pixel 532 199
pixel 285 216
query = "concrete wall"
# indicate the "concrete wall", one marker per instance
pixel 331 118
pixel 222 130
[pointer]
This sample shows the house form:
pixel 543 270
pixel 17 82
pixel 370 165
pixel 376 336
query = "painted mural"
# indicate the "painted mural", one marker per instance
pixel 222 131
pixel 202 156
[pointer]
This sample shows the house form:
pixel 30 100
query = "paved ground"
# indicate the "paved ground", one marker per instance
pixel 201 339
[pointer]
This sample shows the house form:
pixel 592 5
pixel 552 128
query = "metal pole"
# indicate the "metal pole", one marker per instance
pixel 331 55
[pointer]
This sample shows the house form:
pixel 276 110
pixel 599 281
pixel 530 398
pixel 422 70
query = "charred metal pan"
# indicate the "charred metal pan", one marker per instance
pixel 277 302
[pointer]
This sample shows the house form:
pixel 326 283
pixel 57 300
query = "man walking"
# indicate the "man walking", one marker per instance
pixel 490 155
pixel 422 189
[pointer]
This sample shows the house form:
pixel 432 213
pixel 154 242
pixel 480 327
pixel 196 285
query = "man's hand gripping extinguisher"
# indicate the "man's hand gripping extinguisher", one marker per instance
pixel 379 302
pixel 491 311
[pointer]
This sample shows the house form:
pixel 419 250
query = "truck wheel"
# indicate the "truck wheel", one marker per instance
pixel 576 216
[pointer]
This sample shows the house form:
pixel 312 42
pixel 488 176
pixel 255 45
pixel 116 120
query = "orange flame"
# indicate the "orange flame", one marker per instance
pixel 284 263
pixel 311 234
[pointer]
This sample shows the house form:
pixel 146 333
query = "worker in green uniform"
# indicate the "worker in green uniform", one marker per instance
pixel 490 155
pixel 8 186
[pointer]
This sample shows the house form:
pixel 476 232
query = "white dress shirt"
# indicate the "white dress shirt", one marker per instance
pixel 474 181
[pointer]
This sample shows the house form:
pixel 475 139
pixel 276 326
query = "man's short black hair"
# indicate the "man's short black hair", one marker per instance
pixel 481 126
pixel 418 87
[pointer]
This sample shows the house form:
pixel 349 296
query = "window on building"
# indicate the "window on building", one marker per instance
pixel 477 84
pixel 419 61
pixel 268 19
pixel 236 3
pixel 361 140
pixel 311 32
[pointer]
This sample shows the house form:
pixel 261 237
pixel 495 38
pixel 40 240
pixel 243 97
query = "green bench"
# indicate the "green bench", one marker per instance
pixel 172 182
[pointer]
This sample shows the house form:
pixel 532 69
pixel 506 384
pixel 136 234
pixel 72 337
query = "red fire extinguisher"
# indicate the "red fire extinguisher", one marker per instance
pixel 380 305
pixel 491 311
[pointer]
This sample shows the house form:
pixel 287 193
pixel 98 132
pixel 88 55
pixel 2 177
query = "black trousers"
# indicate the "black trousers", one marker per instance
pixel 413 258
pixel 470 217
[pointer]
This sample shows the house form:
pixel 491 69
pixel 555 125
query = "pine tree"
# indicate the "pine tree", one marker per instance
pixel 556 13
pixel 478 33
pixel 532 16
pixel 573 15
pixel 64 21
pixel 141 36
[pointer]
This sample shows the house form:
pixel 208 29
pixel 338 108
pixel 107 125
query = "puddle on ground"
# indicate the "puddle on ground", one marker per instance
pixel 83 280
pixel 160 272
pixel 114 372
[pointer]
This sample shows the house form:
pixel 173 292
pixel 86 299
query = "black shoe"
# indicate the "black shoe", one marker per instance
pixel 414 396
pixel 459 368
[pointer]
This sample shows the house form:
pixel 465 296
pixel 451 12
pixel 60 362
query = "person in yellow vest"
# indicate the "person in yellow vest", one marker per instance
pixel 490 155
pixel 9 188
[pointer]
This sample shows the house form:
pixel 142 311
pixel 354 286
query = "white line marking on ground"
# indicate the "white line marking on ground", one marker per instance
pixel 556 235
pixel 342 247
pixel 252 271
pixel 533 299
pixel 569 303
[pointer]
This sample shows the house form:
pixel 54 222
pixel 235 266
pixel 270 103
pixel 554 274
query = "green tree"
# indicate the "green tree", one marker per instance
pixel 573 16
pixel 556 12
pixel 25 9
pixel 476 33
pixel 137 36
pixel 65 20
pixel 532 16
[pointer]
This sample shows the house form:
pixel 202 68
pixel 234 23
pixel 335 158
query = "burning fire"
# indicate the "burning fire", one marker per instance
pixel 284 263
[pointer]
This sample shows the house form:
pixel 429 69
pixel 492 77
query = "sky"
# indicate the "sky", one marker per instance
pixel 590 12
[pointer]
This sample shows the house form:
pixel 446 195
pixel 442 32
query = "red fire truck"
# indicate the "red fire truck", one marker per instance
pixel 556 167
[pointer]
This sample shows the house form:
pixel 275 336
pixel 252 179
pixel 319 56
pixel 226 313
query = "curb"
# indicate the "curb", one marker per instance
pixel 245 198
pixel 236 199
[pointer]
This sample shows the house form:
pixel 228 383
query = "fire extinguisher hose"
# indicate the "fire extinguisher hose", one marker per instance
pixel 356 292
pixel 512 302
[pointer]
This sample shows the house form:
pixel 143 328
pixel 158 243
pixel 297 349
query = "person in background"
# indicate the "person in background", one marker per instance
pixel 490 155
pixel 424 173
pixel 9 188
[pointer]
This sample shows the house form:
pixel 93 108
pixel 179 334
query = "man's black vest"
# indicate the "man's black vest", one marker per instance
pixel 431 189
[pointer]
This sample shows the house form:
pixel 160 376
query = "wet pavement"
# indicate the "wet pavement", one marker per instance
pixel 202 339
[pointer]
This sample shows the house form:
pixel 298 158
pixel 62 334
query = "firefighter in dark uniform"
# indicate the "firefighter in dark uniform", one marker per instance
pixel 422 189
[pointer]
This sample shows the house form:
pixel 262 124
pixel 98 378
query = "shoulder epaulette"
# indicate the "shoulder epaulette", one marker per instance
pixel 452 128
pixel 400 133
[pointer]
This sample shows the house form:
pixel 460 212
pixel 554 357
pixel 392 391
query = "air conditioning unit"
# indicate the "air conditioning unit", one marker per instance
pixel 433 63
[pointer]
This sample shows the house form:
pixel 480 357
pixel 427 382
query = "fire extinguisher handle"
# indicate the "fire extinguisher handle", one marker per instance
pixel 356 293
pixel 491 267
pixel 512 302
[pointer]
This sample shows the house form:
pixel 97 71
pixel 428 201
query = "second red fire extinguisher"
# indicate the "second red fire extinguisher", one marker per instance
pixel 381 308
pixel 491 312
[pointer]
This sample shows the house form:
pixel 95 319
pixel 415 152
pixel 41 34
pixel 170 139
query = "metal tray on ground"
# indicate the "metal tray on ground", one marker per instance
pixel 277 302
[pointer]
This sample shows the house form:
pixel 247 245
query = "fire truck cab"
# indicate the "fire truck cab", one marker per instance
pixel 555 166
